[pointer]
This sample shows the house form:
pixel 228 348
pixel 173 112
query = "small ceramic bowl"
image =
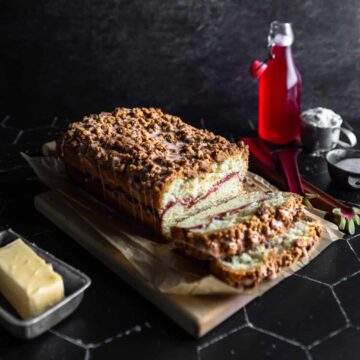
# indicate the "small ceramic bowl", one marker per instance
pixel 344 167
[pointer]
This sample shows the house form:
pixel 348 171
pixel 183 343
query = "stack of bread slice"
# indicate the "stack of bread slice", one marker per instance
pixel 249 238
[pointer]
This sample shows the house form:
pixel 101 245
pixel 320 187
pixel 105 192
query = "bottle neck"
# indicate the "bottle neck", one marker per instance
pixel 283 61
pixel 281 52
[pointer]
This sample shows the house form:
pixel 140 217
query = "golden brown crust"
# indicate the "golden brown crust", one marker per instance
pixel 108 177
pixel 145 148
pixel 272 266
pixel 266 223
pixel 117 199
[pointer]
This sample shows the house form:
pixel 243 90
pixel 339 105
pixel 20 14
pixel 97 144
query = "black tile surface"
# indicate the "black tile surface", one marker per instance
pixel 20 188
pixel 46 346
pixel 9 135
pixel 238 320
pixel 297 309
pixel 153 342
pixel 349 297
pixel 355 244
pixel 249 343
pixel 63 59
pixel 324 182
pixel 11 157
pixel 311 166
pixel 336 262
pixel 345 346
pixel 22 217
pixel 38 135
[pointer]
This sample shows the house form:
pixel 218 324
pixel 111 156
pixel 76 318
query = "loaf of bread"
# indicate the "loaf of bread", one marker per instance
pixel 188 184
pixel 242 223
pixel 250 267
pixel 152 164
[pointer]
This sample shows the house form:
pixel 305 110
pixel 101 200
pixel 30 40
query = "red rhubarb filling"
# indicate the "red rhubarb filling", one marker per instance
pixel 193 201
pixel 221 216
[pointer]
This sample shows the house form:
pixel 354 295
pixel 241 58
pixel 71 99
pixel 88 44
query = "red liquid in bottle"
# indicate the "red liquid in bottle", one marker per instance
pixel 280 98
pixel 279 88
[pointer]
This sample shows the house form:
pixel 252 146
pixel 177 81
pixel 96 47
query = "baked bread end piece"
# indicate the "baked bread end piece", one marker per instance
pixel 265 262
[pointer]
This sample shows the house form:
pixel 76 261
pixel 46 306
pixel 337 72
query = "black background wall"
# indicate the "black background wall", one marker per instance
pixel 72 57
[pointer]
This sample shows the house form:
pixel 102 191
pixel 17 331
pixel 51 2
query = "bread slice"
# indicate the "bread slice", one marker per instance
pixel 242 223
pixel 267 260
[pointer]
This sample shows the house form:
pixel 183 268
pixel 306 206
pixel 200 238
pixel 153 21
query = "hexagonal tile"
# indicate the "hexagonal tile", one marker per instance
pixel 231 324
pixel 156 343
pixel 334 263
pixel 349 298
pixel 43 347
pixel 355 244
pixel 298 309
pixel 249 343
pixel 344 346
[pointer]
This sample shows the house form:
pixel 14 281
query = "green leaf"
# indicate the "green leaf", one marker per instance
pixel 308 204
pixel 342 223
pixel 357 219
pixel 311 196
pixel 356 210
pixel 350 227
pixel 336 211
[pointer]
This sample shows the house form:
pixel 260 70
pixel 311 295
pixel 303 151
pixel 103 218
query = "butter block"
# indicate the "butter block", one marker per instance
pixel 27 281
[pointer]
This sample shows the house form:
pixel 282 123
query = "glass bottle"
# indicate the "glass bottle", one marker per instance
pixel 279 88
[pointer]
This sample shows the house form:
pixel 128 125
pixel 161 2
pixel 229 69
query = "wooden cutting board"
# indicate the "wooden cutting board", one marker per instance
pixel 196 314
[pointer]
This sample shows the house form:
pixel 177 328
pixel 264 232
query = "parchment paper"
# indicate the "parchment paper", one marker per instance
pixel 163 268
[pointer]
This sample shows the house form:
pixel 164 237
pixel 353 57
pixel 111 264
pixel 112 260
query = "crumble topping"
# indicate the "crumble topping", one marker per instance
pixel 264 224
pixel 265 262
pixel 147 144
